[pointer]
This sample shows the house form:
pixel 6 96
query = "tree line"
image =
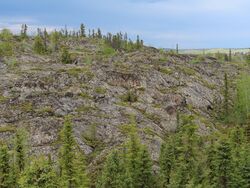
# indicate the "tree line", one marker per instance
pixel 187 159
pixel 48 42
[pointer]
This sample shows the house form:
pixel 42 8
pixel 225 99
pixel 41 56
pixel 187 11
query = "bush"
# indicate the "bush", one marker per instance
pixel 129 97
pixel 38 45
pixel 65 56
pixel 6 43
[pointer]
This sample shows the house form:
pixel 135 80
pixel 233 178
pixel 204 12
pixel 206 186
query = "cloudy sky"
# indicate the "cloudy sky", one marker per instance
pixel 161 23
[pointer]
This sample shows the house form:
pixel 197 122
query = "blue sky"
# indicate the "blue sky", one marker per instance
pixel 161 23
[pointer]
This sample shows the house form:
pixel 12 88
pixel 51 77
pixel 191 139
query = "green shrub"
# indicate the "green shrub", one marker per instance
pixel 38 45
pixel 6 43
pixel 129 97
pixel 65 56
pixel 108 51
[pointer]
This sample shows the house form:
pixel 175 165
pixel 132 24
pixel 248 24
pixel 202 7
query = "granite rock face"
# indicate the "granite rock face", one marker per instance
pixel 102 95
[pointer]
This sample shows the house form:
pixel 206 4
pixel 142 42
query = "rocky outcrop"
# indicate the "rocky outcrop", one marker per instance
pixel 102 96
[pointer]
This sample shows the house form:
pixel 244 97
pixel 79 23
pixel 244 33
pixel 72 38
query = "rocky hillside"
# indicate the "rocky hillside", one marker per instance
pixel 102 90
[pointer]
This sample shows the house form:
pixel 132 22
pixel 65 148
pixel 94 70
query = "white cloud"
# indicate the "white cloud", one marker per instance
pixel 14 24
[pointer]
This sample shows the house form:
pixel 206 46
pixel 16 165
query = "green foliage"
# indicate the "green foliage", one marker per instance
pixel 130 97
pixel 131 167
pixel 82 31
pixel 20 150
pixel 113 172
pixel 65 56
pixel 5 167
pixel 242 102
pixel 226 98
pixel 39 46
pixel 166 160
pixel 198 59
pixel 6 43
pixel 55 40
pixel 24 32
pixel 223 159
pixel 108 51
pixel 39 173
pixel 120 41
pixel 72 169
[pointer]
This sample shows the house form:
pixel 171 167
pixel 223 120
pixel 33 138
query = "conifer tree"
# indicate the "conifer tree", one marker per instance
pixel 82 30
pixel 45 39
pixel 138 44
pixel 39 173
pixel 71 172
pixel 226 97
pixel 113 172
pixel 224 164
pixel 5 170
pixel 38 45
pixel 133 151
pixel 20 150
pixel 166 161
pixel 6 43
pixel 186 151
pixel 55 38
pixel 145 178
pixel 211 164
pixel 240 157
pixel 65 56
pixel 230 55
pixel 99 33
pixel 24 31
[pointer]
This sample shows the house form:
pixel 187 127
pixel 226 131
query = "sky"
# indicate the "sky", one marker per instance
pixel 160 23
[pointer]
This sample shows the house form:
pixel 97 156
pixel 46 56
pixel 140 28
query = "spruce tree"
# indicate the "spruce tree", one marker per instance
pixel 230 55
pixel 240 157
pixel 226 97
pixel 166 161
pixel 224 164
pixel 38 45
pixel 99 33
pixel 138 44
pixel 82 30
pixel 211 164
pixel 185 154
pixel 6 44
pixel 45 39
pixel 133 148
pixel 5 170
pixel 65 56
pixel 20 150
pixel 55 38
pixel 39 173
pixel 145 178
pixel 72 170
pixel 113 172
pixel 24 31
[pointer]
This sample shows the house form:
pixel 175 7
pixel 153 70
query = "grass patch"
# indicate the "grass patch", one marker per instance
pixel 187 70
pixel 100 90
pixel 85 95
pixel 127 128
pixel 129 97
pixel 46 110
pixel 11 63
pixel 165 70
pixel 8 128
pixel 75 72
pixel 3 99
pixel 85 109
pixel 108 51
